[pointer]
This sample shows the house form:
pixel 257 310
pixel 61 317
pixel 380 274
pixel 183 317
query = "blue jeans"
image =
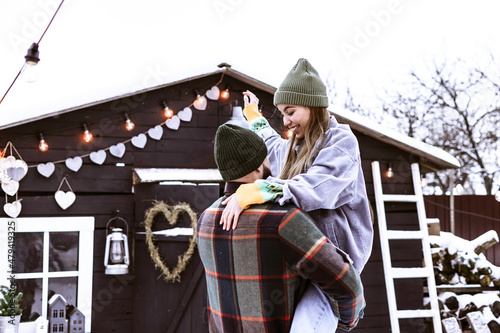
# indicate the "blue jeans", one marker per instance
pixel 313 313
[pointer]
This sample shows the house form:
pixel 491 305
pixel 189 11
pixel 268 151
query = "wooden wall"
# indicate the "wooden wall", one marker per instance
pixel 102 189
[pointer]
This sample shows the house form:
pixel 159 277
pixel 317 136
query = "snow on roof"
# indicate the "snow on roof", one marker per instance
pixel 153 175
pixel 431 153
pixel 56 297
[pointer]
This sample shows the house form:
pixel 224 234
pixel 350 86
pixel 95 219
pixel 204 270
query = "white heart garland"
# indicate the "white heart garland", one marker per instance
pixel 156 132
pixel 186 114
pixel 213 93
pixel 46 169
pixel 74 164
pixel 18 170
pixel 139 141
pixel 173 123
pixel 98 157
pixel 117 150
pixel 10 187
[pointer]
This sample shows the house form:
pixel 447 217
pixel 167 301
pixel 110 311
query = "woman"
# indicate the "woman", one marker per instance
pixel 318 169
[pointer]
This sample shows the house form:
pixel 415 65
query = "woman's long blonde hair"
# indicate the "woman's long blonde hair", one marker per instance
pixel 298 162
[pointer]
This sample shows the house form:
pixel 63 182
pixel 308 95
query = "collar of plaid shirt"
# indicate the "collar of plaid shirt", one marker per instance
pixel 253 271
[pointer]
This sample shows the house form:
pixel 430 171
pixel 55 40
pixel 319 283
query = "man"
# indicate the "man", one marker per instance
pixel 254 272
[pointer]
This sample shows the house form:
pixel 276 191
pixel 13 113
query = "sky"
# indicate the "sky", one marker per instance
pixel 98 49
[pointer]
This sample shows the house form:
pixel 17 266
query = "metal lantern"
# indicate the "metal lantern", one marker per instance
pixel 116 255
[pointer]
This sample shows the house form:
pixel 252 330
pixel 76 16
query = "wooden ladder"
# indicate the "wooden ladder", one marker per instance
pixel 392 273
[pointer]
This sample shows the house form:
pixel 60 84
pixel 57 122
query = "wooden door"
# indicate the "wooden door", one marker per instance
pixel 159 306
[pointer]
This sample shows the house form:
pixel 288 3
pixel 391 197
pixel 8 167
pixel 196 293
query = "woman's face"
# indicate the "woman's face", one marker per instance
pixel 295 117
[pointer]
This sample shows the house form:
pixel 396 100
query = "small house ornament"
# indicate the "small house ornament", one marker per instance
pixel 57 314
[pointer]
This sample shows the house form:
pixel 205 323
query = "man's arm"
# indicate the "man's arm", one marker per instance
pixel 314 257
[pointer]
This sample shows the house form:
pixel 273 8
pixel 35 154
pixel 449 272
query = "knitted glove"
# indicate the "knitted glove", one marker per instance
pixel 258 192
pixel 254 118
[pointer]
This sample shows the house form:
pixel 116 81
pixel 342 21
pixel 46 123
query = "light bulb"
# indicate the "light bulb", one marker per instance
pixel 224 94
pixel 168 112
pixel 389 173
pixel 43 146
pixel 289 134
pixel 87 136
pixel 129 125
pixel 30 72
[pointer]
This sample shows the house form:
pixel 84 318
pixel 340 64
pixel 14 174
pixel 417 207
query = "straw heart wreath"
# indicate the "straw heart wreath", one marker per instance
pixel 171 213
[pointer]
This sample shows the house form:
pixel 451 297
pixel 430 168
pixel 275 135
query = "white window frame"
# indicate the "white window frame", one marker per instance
pixel 85 227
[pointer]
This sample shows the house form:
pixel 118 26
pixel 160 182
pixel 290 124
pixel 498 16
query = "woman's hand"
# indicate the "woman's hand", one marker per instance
pixel 250 98
pixel 231 213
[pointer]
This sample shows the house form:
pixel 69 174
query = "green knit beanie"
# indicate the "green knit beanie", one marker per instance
pixel 302 86
pixel 238 151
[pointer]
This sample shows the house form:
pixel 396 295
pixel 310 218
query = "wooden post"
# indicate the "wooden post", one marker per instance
pixel 452 202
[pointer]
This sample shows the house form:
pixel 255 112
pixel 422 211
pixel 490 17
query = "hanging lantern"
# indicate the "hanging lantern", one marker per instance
pixel 116 254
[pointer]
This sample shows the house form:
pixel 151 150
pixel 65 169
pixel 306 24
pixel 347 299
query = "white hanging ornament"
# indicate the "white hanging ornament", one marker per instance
pixel 64 199
pixel 200 103
pixel 13 209
pixel 139 141
pixel 18 170
pixel 213 93
pixel 10 187
pixel 46 169
pixel 7 162
pixel 173 123
pixel 98 157
pixel 117 150
pixel 74 164
pixel 156 132
pixel 185 114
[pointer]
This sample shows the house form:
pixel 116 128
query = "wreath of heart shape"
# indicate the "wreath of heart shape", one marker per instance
pixel 171 213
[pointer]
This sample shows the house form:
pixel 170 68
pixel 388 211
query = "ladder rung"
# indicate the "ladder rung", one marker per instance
pixel 417 313
pixel 413 272
pixel 404 234
pixel 399 197
pixel 432 220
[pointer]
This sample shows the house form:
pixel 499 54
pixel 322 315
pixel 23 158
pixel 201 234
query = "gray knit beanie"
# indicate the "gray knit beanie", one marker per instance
pixel 238 151
pixel 302 86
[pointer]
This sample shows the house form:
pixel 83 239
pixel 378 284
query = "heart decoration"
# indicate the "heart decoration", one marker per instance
pixel 173 123
pixel 171 214
pixel 117 150
pixel 7 162
pixel 65 199
pixel 13 209
pixel 186 114
pixel 213 93
pixel 74 163
pixel 140 140
pixel 156 132
pixel 200 103
pixel 46 169
pixel 98 157
pixel 18 170
pixel 10 187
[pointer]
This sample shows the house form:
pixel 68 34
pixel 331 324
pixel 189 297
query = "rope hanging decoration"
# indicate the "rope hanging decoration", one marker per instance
pixel 171 213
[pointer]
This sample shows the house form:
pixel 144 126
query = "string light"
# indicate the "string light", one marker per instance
pixel 289 134
pixel 129 125
pixel 168 112
pixel 225 93
pixel 87 136
pixel 201 101
pixel 30 71
pixel 43 146
pixel 389 173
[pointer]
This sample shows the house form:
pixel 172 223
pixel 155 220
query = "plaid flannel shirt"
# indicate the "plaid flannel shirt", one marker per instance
pixel 254 272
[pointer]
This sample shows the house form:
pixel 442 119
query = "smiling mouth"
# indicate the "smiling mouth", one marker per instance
pixel 294 128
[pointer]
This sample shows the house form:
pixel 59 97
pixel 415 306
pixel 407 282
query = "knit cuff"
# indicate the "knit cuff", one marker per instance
pixel 258 192
pixel 251 112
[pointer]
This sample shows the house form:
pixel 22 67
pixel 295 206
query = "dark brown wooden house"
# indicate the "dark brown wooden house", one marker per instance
pixel 174 165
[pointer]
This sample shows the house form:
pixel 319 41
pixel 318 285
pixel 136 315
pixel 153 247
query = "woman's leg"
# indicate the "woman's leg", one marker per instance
pixel 313 313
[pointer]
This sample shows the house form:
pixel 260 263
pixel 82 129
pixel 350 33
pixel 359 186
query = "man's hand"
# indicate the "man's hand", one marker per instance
pixel 231 213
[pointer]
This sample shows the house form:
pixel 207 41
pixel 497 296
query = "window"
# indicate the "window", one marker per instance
pixel 61 327
pixel 54 328
pixel 61 313
pixel 52 256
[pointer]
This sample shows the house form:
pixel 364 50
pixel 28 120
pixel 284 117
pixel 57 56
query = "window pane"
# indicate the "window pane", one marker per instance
pixel 64 286
pixel 31 302
pixel 63 252
pixel 28 249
